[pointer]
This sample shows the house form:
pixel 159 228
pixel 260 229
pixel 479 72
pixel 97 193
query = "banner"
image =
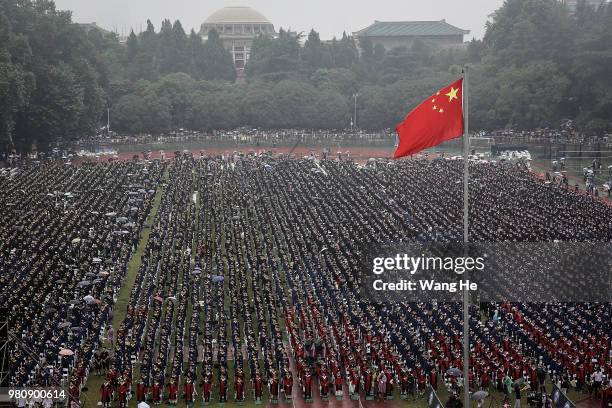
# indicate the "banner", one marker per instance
pixel 560 400
pixel 432 399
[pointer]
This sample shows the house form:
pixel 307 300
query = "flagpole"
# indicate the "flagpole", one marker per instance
pixel 466 299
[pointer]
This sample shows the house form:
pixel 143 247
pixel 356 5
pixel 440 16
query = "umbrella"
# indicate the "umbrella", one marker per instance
pixel 96 260
pixel 143 405
pixel 111 214
pixel 103 273
pixel 479 395
pixel 159 299
pixel 134 209
pixel 51 309
pixel 89 299
pixel 217 278
pixel 63 325
pixel 82 284
pixel 74 302
pixel 97 280
pixel 76 240
pixel 90 274
pixel 454 371
pixel 122 219
pixel 66 352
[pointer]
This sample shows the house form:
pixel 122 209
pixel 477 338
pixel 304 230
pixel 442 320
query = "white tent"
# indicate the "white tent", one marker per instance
pixel 143 405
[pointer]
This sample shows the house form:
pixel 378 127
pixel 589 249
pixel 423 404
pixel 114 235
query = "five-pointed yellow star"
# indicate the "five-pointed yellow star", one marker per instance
pixel 452 94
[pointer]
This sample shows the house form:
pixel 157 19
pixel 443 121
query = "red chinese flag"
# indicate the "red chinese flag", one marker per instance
pixel 435 120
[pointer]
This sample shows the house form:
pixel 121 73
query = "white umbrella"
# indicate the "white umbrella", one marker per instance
pixel 143 405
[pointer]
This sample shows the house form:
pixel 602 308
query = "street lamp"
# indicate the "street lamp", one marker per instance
pixel 355 96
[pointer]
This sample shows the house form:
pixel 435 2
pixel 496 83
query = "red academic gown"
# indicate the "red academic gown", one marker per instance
pixel 188 391
pixel 258 388
pixel 206 389
pixel 172 390
pixel 106 392
pixel 156 391
pixel 288 385
pixel 141 390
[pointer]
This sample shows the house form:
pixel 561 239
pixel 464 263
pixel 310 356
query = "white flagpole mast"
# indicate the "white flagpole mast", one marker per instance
pixel 466 299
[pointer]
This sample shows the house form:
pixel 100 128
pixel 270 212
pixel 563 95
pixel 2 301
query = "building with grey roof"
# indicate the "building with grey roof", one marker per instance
pixel 392 34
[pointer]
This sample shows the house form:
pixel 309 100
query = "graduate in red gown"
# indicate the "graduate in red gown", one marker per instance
pixel 172 392
pixel 356 383
pixel 433 380
pixel 141 391
pixel 338 384
pixel 324 383
pixel 485 380
pixel 223 388
pixel 274 387
pixel 239 387
pixel 257 387
pixel 124 389
pixel 106 394
pixel 156 391
pixel 367 382
pixel 404 382
pixel 188 392
pixel 288 384
pixel 206 387
pixel 307 386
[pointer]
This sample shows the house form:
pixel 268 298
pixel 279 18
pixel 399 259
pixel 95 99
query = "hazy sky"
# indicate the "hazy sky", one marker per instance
pixel 329 17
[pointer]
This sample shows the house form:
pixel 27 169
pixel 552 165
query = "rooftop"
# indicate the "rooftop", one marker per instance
pixel 236 15
pixel 410 29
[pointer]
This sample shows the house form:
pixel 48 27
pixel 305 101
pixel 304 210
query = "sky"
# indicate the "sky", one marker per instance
pixel 328 17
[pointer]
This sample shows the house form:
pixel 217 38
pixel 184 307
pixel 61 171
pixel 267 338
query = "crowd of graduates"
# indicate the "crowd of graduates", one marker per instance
pixel 246 136
pixel 66 236
pixel 248 285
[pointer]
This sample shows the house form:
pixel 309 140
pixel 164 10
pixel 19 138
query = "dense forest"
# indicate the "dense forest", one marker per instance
pixel 536 65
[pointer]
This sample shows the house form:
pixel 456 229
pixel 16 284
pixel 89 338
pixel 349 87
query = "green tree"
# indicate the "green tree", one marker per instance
pixel 177 89
pixel 54 110
pixel 216 61
pixel 275 58
pixel 315 54
pixel 132 46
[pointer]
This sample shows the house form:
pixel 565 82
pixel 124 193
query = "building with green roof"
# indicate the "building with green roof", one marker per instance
pixel 392 34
